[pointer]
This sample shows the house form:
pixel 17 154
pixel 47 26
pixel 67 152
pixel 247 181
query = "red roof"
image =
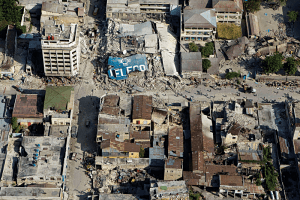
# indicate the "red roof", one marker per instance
pixel 28 106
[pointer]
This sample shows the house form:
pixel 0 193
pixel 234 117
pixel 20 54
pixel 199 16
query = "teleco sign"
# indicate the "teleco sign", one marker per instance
pixel 123 66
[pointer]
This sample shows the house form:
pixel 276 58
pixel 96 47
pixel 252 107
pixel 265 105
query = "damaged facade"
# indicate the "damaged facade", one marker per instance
pixel 60 40
pixel 141 9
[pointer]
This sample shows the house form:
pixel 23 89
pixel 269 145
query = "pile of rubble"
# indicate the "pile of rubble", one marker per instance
pixel 128 181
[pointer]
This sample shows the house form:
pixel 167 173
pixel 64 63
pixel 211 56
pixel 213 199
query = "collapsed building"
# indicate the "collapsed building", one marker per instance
pixel 7 67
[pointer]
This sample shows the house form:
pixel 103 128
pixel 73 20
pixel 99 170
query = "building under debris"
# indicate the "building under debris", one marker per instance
pixel 7 67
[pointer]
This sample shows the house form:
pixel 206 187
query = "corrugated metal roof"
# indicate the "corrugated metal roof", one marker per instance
pixel 235 129
pixel 120 146
pixel 110 110
pixel 28 106
pixel 199 18
pixel 144 135
pixel 156 156
pixel 142 107
pixel 175 163
pixel 227 180
pixel 191 61
pixel 200 3
pixel 175 138
pixel 106 119
pixel 228 5
pixel 283 145
pixel 196 128
pixel 111 100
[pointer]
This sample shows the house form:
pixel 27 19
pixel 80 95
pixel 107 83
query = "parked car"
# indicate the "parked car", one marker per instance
pixel 73 156
pixel 74 131
pixel 18 88
pixel 95 11
pixel 87 123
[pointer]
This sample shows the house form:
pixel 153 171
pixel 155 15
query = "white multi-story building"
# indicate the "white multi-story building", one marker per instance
pixel 198 24
pixel 60 41
pixel 228 10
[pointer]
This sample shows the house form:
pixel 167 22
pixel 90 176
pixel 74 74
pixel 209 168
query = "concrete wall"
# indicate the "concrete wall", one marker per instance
pixel 230 139
pixel 60 121
pixel 172 174
pixel 30 120
pixel 134 155
pixel 125 163
pixel 276 78
pixel 23 16
pixel 198 34
pixel 231 17
pixel 141 121
pixel 56 180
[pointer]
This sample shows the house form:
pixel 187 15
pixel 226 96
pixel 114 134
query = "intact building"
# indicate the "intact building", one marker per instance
pixel 198 24
pixel 28 109
pixel 173 169
pixel 191 64
pixel 228 10
pixel 58 105
pixel 60 40
pixel 41 160
pixel 142 109
pixel 141 9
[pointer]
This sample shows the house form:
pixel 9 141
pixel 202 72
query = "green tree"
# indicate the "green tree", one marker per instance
pixel 18 129
pixel 252 5
pixel 273 63
pixel 10 13
pixel 206 64
pixel 142 152
pixel 258 182
pixel 20 29
pixel 290 66
pixel 207 50
pixel 231 75
pixel 293 15
pixel 14 122
pixel 270 176
pixel 194 196
pixel 193 47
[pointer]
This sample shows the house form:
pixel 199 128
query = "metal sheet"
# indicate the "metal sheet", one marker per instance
pixel 123 66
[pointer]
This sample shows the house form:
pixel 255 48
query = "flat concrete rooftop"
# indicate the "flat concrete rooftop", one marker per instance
pixel 29 193
pixel 49 160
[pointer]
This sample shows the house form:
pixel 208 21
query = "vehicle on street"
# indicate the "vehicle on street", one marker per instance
pixel 73 156
pixel 95 11
pixel 74 131
pixel 87 123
